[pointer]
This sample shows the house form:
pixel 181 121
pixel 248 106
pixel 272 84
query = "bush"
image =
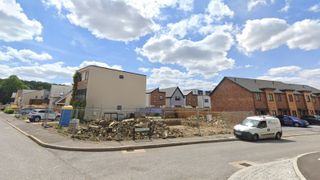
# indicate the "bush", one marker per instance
pixel 9 111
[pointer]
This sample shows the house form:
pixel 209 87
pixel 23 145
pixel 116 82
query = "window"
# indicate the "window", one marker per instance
pixel 200 92
pixel 290 98
pixel 262 124
pixel 258 96
pixel 177 98
pixel 36 97
pixel 160 97
pixel 206 100
pixel 279 97
pixel 311 112
pixel 119 107
pixel 297 98
pixel 308 98
pixel 84 76
pixel 270 97
pixel 121 76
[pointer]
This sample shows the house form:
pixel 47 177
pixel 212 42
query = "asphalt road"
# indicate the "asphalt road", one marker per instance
pixel 21 158
pixel 309 166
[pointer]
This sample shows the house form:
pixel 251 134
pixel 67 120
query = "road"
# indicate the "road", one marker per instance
pixel 21 158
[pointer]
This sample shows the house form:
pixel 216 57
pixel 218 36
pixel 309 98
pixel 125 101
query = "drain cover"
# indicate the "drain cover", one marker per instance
pixel 242 164
pixel 245 164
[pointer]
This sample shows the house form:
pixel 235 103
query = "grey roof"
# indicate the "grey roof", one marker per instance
pixel 150 90
pixel 186 92
pixel 255 85
pixel 169 91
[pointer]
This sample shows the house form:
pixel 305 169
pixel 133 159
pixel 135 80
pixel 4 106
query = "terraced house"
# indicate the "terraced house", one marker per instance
pixel 265 97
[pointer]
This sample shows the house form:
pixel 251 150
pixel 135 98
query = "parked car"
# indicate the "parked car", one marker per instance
pixel 313 119
pixel 25 111
pixel 292 121
pixel 258 127
pixel 41 114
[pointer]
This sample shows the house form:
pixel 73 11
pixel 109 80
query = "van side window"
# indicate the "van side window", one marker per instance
pixel 262 124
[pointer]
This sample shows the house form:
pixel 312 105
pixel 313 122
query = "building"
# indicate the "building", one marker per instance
pixel 174 97
pixel 57 92
pixel 26 97
pixel 62 101
pixel 155 98
pixel 191 99
pixel 109 90
pixel 203 97
pixel 265 97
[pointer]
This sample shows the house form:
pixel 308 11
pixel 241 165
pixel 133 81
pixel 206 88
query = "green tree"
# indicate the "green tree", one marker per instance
pixel 8 86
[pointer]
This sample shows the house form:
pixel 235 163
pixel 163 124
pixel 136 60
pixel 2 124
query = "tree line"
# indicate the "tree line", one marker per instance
pixel 13 83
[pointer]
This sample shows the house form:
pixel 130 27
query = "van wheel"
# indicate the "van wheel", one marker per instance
pixel 296 125
pixel 255 137
pixel 278 136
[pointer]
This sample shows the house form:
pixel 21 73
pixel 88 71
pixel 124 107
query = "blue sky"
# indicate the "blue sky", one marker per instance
pixel 186 43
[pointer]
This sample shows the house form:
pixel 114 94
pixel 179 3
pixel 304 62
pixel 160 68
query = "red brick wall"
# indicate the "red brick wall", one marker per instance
pixel 262 104
pixel 283 104
pixel 155 98
pixel 229 96
pixel 191 100
pixel 317 104
pixel 300 103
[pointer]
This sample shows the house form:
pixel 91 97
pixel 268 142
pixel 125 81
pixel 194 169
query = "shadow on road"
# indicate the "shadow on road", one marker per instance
pixel 274 141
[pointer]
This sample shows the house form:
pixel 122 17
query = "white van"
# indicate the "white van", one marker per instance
pixel 258 127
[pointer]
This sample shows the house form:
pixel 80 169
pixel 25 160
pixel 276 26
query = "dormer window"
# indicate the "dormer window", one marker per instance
pixel 121 76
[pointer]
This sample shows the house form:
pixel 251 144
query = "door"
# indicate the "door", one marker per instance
pixel 264 131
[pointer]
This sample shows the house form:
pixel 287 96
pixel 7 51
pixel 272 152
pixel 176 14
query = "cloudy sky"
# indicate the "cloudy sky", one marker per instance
pixel 187 43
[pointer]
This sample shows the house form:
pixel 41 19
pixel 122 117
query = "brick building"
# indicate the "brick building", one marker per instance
pixel 265 97
pixel 191 99
pixel 155 98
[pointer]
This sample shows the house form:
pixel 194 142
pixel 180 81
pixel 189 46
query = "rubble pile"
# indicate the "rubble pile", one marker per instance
pixel 107 130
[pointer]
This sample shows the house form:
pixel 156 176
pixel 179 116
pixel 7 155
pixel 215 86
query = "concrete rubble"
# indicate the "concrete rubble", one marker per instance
pixel 108 130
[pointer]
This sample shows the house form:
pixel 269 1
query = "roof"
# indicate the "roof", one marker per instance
pixel 59 90
pixel 186 92
pixel 62 97
pixel 170 91
pixel 256 85
pixel 95 66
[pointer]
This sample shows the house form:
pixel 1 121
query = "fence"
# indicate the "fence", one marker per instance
pixel 110 124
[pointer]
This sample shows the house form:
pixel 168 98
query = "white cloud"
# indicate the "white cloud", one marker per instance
pixel 254 3
pixel 286 7
pixel 206 57
pixel 24 55
pixel 294 74
pixel 15 25
pixel 50 72
pixel 218 10
pixel 107 19
pixel 283 70
pixel 269 33
pixel 152 9
pixel 167 77
pixel 315 8
pixel 97 63
pixel 144 70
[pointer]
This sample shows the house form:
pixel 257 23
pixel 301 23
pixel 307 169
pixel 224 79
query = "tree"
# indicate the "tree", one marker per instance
pixel 8 86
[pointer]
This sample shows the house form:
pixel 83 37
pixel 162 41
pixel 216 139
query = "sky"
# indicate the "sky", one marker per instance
pixel 185 43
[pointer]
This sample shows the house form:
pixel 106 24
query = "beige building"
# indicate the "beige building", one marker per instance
pixel 59 96
pixel 26 97
pixel 108 90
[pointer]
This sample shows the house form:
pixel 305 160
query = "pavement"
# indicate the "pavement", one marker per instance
pixel 21 158
pixel 51 139
pixel 309 165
